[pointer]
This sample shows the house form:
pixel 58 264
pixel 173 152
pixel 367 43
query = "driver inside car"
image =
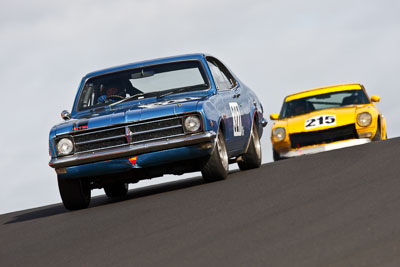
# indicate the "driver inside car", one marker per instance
pixel 111 93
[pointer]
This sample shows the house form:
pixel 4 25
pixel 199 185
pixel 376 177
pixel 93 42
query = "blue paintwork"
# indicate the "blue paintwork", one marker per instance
pixel 213 104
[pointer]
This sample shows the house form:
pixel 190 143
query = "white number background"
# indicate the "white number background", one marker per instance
pixel 319 121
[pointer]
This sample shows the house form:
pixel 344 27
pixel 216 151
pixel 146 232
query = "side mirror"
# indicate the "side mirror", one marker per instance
pixel 65 115
pixel 274 116
pixel 264 122
pixel 375 98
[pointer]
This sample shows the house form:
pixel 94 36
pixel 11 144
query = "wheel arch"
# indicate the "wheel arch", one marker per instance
pixel 221 126
pixel 255 121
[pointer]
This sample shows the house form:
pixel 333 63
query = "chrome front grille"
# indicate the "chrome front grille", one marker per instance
pixel 156 130
pixel 99 139
pixel 92 140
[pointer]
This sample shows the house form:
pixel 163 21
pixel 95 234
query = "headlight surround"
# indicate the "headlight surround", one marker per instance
pixel 64 146
pixel 279 133
pixel 364 119
pixel 192 123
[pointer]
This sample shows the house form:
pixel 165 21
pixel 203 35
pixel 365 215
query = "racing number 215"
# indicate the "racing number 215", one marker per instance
pixel 322 120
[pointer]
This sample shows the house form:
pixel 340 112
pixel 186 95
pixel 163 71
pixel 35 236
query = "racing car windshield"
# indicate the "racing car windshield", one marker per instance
pixel 138 83
pixel 323 101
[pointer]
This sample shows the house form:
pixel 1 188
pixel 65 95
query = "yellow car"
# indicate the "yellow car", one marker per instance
pixel 324 119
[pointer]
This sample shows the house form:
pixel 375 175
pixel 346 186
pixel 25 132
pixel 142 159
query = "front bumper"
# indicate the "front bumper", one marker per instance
pixel 147 165
pixel 322 148
pixel 132 150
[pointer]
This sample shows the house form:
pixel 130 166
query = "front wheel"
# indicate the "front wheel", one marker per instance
pixel 75 193
pixel 276 155
pixel 377 136
pixel 217 166
pixel 252 158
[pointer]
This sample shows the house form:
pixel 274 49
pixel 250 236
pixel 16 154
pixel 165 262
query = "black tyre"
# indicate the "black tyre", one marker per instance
pixel 252 158
pixel 75 193
pixel 116 190
pixel 276 155
pixel 217 166
pixel 377 136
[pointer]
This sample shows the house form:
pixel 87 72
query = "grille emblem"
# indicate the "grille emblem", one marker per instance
pixel 128 134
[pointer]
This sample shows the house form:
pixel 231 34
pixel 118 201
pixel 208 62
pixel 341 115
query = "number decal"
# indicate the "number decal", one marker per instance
pixel 309 123
pixel 319 121
pixel 237 119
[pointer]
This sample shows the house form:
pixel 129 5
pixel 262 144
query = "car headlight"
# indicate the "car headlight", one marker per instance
pixel 279 133
pixel 192 123
pixel 364 119
pixel 64 147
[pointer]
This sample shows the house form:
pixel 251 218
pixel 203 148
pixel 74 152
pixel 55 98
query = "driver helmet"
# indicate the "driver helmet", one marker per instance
pixel 108 90
pixel 113 88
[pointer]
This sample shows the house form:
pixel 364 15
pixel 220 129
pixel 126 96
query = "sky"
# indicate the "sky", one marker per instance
pixel 275 47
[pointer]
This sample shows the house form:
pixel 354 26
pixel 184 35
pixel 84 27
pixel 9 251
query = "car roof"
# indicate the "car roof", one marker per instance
pixel 196 56
pixel 324 90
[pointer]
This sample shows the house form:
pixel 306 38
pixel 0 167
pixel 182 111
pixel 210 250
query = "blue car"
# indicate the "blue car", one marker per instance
pixel 143 120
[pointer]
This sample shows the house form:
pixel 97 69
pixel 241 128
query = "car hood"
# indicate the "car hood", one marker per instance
pixel 303 123
pixel 130 112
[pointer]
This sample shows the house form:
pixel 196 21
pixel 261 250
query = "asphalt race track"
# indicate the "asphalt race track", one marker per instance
pixel 338 208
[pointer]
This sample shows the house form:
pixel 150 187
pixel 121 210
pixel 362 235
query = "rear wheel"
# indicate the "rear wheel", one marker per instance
pixel 252 158
pixel 217 166
pixel 75 193
pixel 116 190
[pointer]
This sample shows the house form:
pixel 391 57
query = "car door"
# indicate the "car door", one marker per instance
pixel 236 112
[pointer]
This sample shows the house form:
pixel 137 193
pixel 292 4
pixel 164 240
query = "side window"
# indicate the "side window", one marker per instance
pixel 219 79
pixel 87 97
pixel 228 76
pixel 222 77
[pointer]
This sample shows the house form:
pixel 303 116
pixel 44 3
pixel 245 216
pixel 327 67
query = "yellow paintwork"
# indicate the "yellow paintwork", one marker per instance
pixel 375 98
pixel 344 116
pixel 274 116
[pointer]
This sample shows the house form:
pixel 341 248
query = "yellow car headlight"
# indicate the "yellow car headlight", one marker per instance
pixel 279 133
pixel 364 119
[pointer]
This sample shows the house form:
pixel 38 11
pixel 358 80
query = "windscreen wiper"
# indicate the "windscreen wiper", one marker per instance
pixel 126 99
